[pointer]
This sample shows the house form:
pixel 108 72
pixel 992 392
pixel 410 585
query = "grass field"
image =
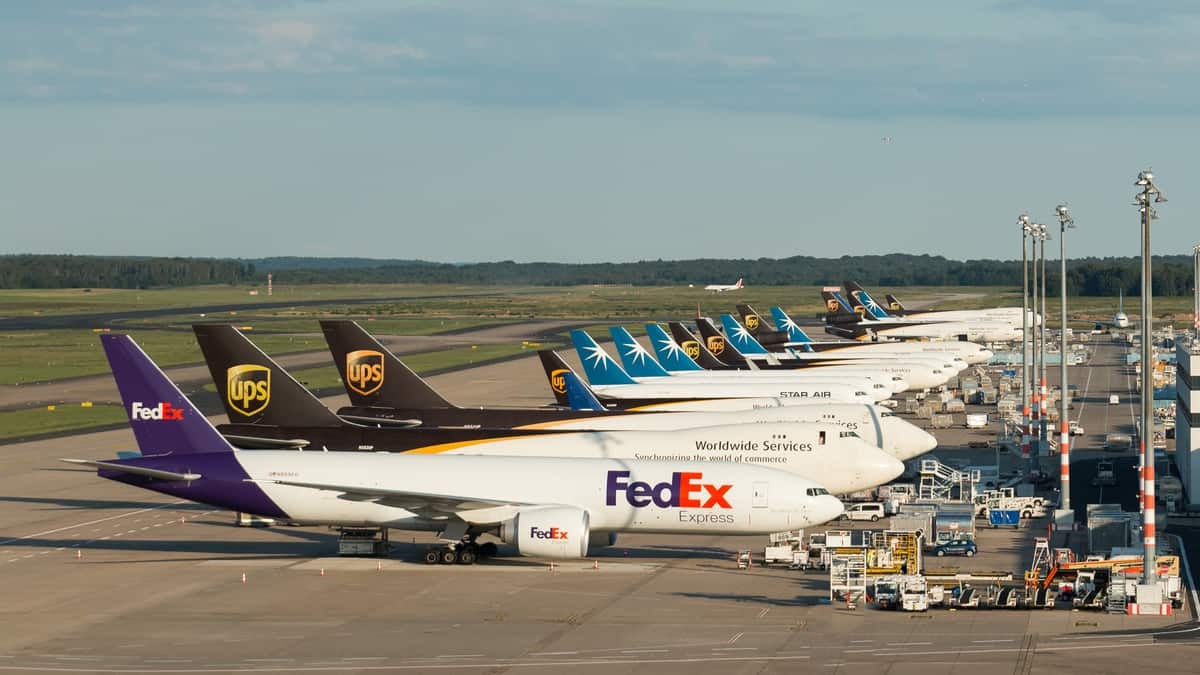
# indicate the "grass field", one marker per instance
pixel 39 421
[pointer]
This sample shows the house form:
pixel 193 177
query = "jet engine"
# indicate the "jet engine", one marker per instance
pixel 548 532
pixel 601 539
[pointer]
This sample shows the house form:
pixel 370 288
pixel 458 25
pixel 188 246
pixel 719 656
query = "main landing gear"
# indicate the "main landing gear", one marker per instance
pixel 465 552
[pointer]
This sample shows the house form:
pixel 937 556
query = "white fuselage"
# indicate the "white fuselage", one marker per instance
pixel 877 426
pixel 757 500
pixel 798 392
pixel 839 459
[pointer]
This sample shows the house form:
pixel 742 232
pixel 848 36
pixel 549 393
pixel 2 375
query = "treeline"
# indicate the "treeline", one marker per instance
pixel 86 271
pixel 1086 276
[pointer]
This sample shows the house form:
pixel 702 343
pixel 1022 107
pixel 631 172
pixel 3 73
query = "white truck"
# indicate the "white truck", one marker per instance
pixel 1006 499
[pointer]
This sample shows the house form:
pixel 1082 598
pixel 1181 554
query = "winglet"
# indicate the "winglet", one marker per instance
pixel 785 323
pixel 580 395
pixel 598 366
pixel 635 358
pixel 672 356
pixel 739 337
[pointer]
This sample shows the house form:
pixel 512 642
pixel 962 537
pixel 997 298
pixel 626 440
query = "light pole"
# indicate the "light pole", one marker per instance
pixel 1143 201
pixel 1026 228
pixel 1043 401
pixel 1034 231
pixel 1064 439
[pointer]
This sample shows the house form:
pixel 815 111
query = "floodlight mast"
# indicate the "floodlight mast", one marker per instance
pixel 1144 200
pixel 1026 229
pixel 1064 439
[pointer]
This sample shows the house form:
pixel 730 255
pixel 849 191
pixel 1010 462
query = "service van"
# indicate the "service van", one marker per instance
pixel 871 511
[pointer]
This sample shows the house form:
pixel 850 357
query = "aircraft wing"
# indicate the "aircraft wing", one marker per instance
pixel 420 503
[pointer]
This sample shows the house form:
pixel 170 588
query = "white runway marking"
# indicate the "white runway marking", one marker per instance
pixel 90 522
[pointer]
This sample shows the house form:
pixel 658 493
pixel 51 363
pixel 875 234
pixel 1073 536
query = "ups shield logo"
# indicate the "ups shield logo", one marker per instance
pixel 691 348
pixel 716 345
pixel 558 380
pixel 751 322
pixel 860 310
pixel 248 389
pixel 895 305
pixel 364 371
pixel 831 305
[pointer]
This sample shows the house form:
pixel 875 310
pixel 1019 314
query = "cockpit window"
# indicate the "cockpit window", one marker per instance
pixel 849 434
pixel 860 393
pixel 816 492
pixel 885 414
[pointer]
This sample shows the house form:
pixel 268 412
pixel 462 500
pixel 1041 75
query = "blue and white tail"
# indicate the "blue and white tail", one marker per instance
pixel 579 395
pixel 863 298
pixel 784 323
pixel 598 366
pixel 741 338
pixel 672 356
pixel 635 358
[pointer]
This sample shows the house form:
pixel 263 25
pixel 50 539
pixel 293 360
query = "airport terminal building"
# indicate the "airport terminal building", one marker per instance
pixel 1187 421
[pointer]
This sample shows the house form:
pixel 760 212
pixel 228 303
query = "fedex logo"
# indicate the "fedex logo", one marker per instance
pixel 552 533
pixel 162 411
pixel 681 491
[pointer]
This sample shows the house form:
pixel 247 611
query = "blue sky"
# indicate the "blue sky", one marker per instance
pixel 571 131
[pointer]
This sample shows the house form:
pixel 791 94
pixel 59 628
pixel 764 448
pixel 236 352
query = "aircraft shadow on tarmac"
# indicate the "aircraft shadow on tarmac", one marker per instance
pixel 65 503
pixel 797 601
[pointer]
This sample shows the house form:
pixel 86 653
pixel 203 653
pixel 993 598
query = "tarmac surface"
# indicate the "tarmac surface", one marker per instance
pixel 101 577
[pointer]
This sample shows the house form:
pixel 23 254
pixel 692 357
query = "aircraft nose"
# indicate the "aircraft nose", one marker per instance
pixel 826 509
pixel 984 355
pixel 905 440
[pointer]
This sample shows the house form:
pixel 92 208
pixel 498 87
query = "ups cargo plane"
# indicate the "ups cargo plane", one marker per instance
pixel 400 396
pixel 293 417
pixel 545 506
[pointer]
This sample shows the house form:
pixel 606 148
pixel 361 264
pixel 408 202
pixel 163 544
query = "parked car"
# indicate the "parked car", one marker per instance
pixel 871 511
pixel 957 547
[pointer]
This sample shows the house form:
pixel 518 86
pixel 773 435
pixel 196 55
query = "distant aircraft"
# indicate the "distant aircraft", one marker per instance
pixel 1120 319
pixel 721 288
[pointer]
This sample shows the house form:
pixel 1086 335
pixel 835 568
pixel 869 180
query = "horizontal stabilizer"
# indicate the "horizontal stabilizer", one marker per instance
pixel 260 443
pixel 138 470
pixel 383 421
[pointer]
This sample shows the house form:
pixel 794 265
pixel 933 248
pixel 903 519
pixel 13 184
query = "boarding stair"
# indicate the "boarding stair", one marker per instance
pixel 943 483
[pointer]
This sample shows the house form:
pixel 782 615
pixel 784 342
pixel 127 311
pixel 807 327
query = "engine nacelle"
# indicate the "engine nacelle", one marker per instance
pixel 601 539
pixel 548 532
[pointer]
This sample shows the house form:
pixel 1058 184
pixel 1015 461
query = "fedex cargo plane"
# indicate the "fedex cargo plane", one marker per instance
pixel 544 506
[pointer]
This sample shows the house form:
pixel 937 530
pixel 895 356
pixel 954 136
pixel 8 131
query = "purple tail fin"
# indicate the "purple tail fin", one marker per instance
pixel 163 419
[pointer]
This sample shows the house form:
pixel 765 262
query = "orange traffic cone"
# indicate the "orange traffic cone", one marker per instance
pixel 243 577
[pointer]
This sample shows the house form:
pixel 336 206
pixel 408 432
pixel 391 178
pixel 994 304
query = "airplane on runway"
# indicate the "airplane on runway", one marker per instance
pixel 721 288
pixel 609 380
pixel 642 367
pixel 969 352
pixel 291 416
pixel 545 506
pixel 1120 319
pixel 845 320
pixel 874 424
pixel 1001 315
